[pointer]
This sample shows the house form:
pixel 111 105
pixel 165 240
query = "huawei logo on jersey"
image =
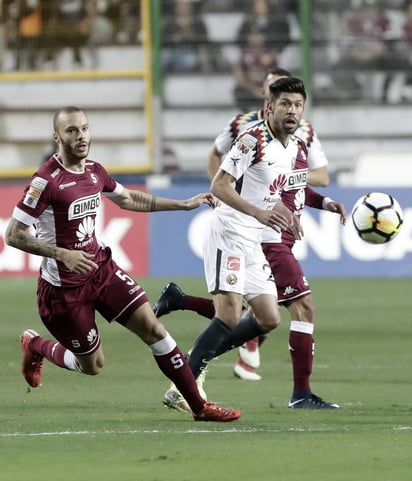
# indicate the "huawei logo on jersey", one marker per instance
pixel 278 185
pixel 85 231
pixel 299 200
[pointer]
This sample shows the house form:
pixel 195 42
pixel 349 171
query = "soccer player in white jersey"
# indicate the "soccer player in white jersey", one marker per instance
pixel 249 183
pixel 293 289
pixel 78 272
pixel 249 356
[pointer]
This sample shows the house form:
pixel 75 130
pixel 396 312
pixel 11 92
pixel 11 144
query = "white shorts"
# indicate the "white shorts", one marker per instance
pixel 233 266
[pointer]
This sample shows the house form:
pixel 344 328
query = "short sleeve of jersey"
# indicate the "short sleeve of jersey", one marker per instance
pixel 240 156
pixel 316 155
pixel 110 186
pixel 226 137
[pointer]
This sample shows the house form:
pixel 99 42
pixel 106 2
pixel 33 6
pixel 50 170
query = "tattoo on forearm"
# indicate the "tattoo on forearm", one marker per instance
pixel 24 241
pixel 153 204
pixel 142 201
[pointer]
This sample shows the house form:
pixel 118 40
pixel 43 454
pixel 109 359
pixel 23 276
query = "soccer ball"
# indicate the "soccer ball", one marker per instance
pixel 377 217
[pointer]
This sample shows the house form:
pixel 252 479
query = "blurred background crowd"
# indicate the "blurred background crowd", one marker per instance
pixel 211 57
pixel 357 46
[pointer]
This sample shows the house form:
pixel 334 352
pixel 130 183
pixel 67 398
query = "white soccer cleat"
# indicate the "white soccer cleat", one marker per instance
pixel 249 353
pixel 243 371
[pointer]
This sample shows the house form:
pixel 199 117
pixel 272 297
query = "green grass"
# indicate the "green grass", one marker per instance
pixel 113 426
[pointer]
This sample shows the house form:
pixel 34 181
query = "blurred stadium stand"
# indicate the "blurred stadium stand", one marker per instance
pixel 195 105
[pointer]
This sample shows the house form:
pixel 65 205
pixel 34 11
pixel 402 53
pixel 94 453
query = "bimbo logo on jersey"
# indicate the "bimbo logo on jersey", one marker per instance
pixel 84 206
pixel 297 179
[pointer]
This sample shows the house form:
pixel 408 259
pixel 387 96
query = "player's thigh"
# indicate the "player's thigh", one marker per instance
pixel 228 307
pixel 266 311
pixel 258 278
pixel 291 282
pixel 69 317
pixel 145 324
pixel 224 263
pixel 302 308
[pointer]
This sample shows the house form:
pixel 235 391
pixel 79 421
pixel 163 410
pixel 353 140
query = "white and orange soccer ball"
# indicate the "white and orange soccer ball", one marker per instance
pixel 377 217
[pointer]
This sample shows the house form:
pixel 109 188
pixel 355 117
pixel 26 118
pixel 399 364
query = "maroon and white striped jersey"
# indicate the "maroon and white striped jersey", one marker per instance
pixel 62 206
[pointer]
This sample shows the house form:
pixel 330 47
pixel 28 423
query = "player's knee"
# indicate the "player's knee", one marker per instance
pixel 92 368
pixel 309 311
pixel 270 323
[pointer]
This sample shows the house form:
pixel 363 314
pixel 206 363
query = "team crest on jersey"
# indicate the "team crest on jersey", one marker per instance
pixel 37 186
pixel 231 279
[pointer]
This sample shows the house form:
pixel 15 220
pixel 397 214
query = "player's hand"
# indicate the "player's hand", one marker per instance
pixel 198 200
pixel 338 208
pixel 79 262
pixel 279 218
pixel 296 228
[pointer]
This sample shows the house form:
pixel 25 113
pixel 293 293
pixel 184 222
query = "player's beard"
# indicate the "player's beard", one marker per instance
pixel 74 151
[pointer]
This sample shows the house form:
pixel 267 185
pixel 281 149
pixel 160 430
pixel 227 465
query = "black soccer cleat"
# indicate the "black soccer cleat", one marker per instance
pixel 311 402
pixel 171 299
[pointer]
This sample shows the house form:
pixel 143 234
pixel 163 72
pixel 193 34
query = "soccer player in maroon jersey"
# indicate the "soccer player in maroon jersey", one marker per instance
pixel 78 275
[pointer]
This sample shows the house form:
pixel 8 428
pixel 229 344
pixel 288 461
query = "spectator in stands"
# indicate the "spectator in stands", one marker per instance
pixel 363 48
pixel 406 58
pixel 255 60
pixel 262 17
pixel 262 37
pixel 125 15
pixel 28 34
pixel 67 26
pixel 184 40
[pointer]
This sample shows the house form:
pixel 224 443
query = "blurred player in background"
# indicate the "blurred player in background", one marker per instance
pixel 78 275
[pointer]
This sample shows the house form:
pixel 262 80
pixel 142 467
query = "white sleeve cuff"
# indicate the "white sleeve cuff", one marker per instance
pixel 325 202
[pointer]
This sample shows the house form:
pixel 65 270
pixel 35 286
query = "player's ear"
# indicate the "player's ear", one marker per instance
pixel 56 137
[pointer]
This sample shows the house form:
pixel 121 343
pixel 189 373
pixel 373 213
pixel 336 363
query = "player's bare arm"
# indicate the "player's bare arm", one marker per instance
pixel 319 177
pixel 77 261
pixel 214 161
pixel 139 201
pixel 279 218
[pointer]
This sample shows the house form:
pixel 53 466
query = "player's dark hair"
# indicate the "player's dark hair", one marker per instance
pixel 65 110
pixel 279 72
pixel 287 84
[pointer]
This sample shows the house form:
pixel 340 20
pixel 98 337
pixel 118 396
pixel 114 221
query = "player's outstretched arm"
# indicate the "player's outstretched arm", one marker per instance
pixel 140 201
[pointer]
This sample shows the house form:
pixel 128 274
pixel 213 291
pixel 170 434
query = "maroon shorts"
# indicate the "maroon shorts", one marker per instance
pixel 290 280
pixel 69 312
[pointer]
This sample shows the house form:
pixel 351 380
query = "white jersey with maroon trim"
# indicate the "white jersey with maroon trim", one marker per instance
pixel 261 166
pixel 316 156
pixel 62 206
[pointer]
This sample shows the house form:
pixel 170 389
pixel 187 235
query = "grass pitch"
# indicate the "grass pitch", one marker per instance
pixel 114 427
